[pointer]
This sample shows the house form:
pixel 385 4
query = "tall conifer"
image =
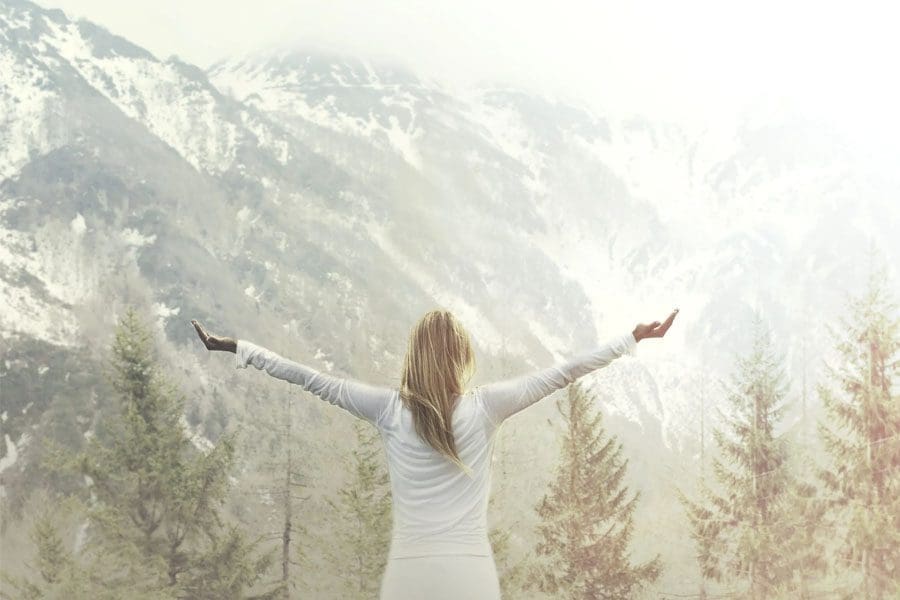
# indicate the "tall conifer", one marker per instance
pixel 153 494
pixel 586 516
pixel 363 507
pixel 750 529
pixel 862 437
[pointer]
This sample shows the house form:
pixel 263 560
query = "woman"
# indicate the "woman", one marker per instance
pixel 439 440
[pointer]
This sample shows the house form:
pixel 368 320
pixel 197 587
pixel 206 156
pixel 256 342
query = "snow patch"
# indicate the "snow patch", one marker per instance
pixel 503 128
pixel 342 281
pixel 202 443
pixel 163 312
pixel 244 215
pixel 52 256
pixel 180 112
pixel 27 118
pixel 277 144
pixel 252 293
pixel 319 355
pixel 77 224
pixel 80 537
pixel 133 237
pixel 12 450
pixel 286 93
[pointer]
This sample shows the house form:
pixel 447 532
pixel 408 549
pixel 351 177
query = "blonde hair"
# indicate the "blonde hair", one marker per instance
pixel 439 362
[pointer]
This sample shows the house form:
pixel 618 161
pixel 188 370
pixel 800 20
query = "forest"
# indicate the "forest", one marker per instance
pixel 767 521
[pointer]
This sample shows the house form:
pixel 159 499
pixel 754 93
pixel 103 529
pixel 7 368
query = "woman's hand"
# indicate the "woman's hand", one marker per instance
pixel 212 342
pixel 654 329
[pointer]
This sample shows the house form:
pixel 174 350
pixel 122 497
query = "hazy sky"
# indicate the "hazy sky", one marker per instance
pixel 686 60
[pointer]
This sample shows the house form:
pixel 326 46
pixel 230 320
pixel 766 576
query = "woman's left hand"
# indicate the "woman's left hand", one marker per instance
pixel 654 329
pixel 213 342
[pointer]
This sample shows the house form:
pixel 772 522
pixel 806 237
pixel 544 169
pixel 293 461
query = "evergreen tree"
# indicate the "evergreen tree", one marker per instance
pixel 752 529
pixel 364 512
pixel 512 574
pixel 153 494
pixel 586 518
pixel 862 437
pixel 63 575
pixel 51 558
pixel 802 543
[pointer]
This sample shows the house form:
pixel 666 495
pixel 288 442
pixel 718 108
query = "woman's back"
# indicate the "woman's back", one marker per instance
pixel 438 508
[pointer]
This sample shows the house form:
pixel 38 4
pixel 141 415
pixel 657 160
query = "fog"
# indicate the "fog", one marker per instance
pixel 690 61
pixel 557 173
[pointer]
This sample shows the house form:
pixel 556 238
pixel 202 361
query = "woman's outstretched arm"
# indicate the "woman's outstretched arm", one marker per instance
pixel 505 398
pixel 360 399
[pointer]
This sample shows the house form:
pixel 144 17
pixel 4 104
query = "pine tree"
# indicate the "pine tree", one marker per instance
pixel 586 517
pixel 154 495
pixel 512 574
pixel 862 437
pixel 51 558
pixel 803 542
pixel 364 511
pixel 61 574
pixel 751 528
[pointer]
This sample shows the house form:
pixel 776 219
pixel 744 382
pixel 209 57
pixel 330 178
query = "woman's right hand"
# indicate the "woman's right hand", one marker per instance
pixel 213 342
pixel 654 329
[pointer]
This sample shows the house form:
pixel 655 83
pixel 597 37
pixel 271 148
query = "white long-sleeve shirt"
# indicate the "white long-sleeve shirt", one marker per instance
pixel 437 508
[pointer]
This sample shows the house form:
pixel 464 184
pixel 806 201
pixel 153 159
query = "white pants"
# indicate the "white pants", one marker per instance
pixel 444 577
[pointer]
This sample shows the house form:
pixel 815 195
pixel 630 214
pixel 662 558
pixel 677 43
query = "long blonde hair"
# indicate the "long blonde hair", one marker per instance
pixel 439 362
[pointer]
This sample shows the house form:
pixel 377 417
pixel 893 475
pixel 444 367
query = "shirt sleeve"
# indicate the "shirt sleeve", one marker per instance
pixel 362 400
pixel 503 399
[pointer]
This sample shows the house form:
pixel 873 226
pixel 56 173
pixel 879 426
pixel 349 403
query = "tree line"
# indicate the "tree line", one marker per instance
pixel 765 524
pixel 775 523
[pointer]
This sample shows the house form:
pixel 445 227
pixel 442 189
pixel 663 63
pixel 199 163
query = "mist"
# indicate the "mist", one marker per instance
pixel 314 177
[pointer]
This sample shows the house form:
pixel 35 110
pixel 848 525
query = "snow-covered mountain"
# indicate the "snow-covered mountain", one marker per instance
pixel 320 203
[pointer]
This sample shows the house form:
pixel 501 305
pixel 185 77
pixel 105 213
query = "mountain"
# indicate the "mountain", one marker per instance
pixel 318 204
